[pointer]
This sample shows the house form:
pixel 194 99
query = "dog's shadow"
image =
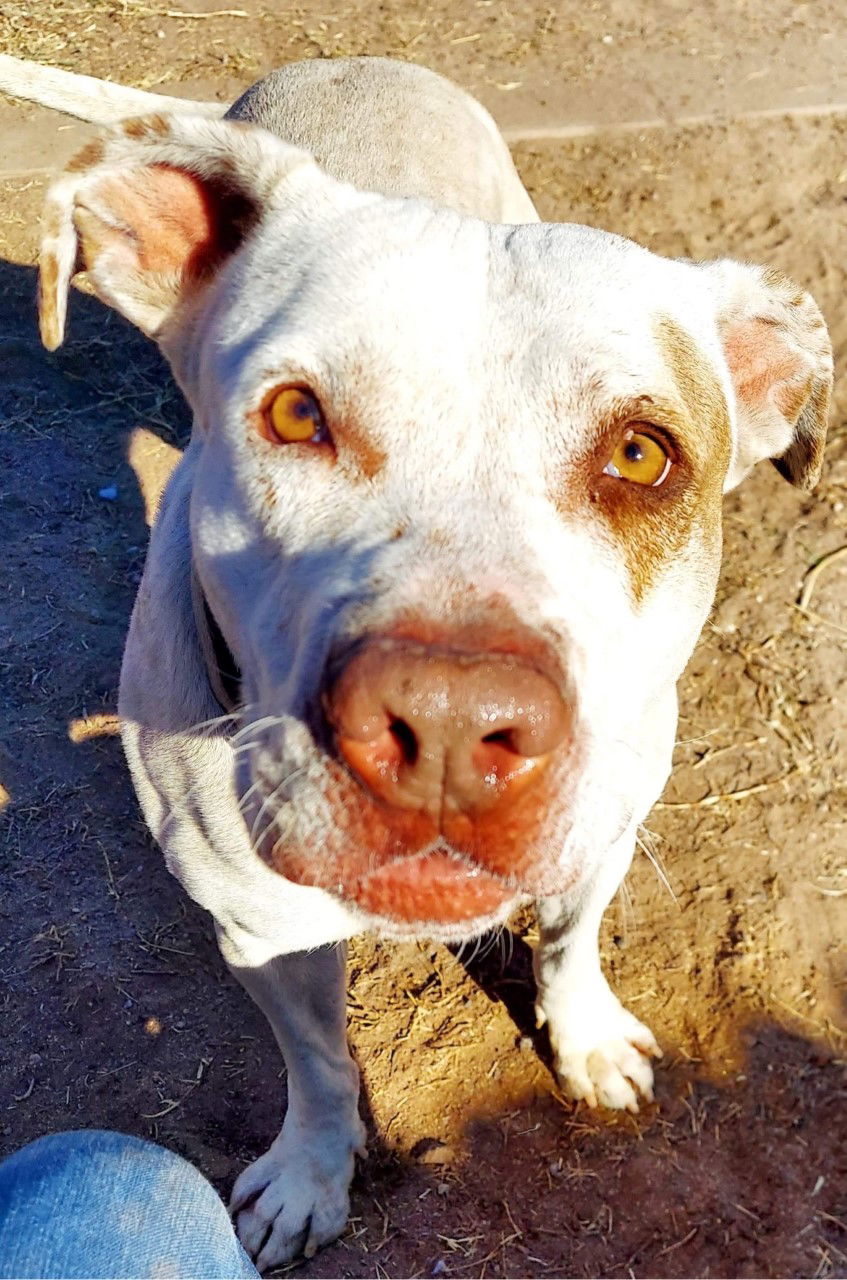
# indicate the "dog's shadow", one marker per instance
pixel 500 963
pixel 74 516
pixel 107 377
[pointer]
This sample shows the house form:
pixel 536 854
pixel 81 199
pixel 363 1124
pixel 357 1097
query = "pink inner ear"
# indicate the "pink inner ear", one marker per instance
pixel 170 215
pixel 763 365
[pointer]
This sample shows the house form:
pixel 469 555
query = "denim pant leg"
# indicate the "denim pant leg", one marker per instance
pixel 99 1204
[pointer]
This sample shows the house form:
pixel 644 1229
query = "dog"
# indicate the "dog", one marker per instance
pixel 405 651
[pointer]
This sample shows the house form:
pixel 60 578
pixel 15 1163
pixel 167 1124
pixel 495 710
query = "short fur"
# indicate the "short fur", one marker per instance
pixel 474 377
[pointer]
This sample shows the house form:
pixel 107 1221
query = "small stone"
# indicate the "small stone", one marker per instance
pixel 432 1151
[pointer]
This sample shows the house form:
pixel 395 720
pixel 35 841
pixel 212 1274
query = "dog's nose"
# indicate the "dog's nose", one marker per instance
pixel 439 731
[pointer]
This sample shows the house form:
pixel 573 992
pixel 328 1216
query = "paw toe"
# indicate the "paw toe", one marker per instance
pixel 614 1072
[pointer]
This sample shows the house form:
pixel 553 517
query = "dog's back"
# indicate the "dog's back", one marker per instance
pixel 392 127
pixel 382 125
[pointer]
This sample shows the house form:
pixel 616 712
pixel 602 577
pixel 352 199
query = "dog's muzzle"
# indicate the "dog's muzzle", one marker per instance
pixel 443 757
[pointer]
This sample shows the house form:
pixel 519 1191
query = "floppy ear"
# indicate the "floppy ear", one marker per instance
pixel 152 209
pixel 780 361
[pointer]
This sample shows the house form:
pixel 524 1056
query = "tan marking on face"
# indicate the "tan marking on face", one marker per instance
pixel 653 525
pixel 134 128
pixel 695 378
pixel 368 456
pixel 89 157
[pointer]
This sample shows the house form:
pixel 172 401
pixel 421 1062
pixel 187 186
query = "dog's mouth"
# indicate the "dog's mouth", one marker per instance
pixel 436 886
pixel 404 870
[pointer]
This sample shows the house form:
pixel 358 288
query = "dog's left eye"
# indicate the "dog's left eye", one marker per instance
pixel 640 458
pixel 292 415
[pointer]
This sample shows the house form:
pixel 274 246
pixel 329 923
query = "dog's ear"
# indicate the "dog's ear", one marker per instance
pixel 780 360
pixel 152 209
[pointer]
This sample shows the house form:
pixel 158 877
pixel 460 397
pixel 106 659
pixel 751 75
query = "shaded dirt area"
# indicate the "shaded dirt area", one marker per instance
pixel 116 1008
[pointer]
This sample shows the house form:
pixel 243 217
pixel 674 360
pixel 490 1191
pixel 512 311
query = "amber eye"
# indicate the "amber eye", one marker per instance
pixel 292 415
pixel 640 458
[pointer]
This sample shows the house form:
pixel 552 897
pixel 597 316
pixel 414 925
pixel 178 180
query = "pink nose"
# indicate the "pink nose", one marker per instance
pixel 438 731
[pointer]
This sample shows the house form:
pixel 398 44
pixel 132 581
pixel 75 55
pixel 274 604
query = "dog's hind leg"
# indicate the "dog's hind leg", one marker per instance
pixel 296 1196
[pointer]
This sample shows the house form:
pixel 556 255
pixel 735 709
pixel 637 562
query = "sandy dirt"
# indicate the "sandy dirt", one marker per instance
pixel 117 1010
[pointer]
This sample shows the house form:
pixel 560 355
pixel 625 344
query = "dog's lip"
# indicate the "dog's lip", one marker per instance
pixel 435 886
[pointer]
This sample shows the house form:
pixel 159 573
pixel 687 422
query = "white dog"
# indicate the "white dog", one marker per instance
pixel 443 540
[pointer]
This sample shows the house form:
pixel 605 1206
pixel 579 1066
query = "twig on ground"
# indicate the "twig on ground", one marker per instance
pixel 811 579
pixel 742 794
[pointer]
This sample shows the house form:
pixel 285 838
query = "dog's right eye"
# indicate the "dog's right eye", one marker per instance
pixel 292 415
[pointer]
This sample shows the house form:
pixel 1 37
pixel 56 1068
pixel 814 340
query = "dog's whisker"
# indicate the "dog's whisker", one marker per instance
pixel 657 865
pixel 264 722
pixel 627 907
pixel 204 726
pixel 490 944
pixel 269 800
pixel 242 803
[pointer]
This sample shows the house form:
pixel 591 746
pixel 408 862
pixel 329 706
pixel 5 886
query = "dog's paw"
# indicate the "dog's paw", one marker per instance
pixel 296 1197
pixel 601 1051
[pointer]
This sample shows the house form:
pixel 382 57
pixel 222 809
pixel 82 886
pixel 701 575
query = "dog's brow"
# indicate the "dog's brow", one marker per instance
pixel 660 410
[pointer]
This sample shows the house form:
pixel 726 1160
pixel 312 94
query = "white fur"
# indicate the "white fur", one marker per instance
pixel 479 359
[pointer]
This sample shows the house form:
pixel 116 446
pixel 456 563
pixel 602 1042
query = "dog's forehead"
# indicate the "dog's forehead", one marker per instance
pixel 437 291
pixel 601 301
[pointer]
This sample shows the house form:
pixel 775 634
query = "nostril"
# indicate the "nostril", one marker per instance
pixel 503 738
pixel 406 739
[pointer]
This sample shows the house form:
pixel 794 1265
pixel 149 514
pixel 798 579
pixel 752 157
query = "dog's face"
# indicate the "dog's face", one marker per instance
pixel 457 512
pixel 454 521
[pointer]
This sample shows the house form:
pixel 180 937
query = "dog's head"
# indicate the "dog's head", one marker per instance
pixel 456 499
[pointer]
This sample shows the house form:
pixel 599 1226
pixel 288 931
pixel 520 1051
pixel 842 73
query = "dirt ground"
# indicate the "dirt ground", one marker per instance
pixel 117 1010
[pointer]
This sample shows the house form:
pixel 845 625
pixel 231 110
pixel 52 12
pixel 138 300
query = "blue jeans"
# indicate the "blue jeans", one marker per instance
pixel 101 1204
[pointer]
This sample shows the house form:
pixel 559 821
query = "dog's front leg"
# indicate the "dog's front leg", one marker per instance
pixel 601 1051
pixel 296 1196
